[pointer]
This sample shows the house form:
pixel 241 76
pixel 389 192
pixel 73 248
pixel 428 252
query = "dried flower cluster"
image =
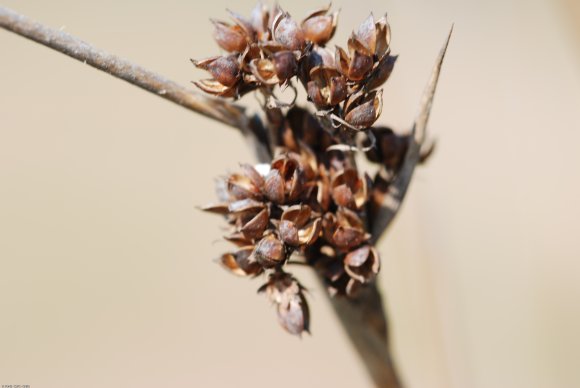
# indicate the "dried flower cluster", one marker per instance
pixel 310 204
pixel 270 49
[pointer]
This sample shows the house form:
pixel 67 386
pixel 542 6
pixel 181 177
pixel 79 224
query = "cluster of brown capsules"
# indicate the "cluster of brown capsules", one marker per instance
pixel 310 204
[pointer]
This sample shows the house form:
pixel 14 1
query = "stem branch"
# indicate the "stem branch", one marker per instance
pixel 217 109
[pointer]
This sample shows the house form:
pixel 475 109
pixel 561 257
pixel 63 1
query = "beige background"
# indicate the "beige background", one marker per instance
pixel 106 272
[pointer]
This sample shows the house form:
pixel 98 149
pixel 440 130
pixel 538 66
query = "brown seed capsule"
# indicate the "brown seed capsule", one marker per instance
pixel 286 293
pixel 381 73
pixel 231 38
pixel 285 65
pixel 356 66
pixel 253 175
pixel 292 175
pixel 383 31
pixel 265 71
pixel 367 34
pixel 319 57
pixel 294 316
pixel 241 186
pixel 360 65
pixel 319 27
pixel 289 233
pixel 327 87
pixel 346 238
pixel 296 226
pixel 287 32
pixel 269 252
pixel 254 228
pixel 348 218
pixel 274 187
pixel 241 262
pixel 364 113
pixel 349 190
pixel 297 214
pixel 342 195
pixel 362 264
pixel 295 185
pixel 225 70
pixel 345 230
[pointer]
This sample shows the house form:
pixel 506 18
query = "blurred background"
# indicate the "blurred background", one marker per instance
pixel 106 271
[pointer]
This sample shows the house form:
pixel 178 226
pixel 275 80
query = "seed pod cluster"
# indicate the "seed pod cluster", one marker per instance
pixel 300 205
pixel 270 48
pixel 310 205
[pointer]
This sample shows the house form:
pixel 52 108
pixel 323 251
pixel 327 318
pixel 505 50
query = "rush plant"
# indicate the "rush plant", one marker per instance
pixel 306 202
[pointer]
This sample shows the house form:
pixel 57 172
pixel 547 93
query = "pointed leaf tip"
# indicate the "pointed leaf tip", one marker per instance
pixel 420 125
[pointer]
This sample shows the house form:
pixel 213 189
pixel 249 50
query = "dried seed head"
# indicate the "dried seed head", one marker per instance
pixel 309 200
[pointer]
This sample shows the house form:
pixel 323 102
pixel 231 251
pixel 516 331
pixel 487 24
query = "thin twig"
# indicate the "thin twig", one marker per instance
pixel 395 192
pixel 217 109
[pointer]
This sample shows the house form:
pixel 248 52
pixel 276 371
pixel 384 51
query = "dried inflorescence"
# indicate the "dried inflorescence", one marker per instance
pixel 270 49
pixel 304 207
pixel 310 205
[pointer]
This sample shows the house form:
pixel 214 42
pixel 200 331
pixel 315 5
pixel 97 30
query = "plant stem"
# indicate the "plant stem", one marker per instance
pixel 364 320
pixel 217 109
